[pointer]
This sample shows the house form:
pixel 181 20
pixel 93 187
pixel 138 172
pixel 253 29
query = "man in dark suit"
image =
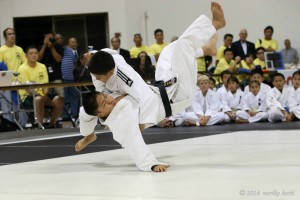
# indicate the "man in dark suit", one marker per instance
pixel 116 43
pixel 242 47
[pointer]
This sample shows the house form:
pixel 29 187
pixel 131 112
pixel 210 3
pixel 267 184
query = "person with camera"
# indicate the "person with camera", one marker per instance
pixel 51 54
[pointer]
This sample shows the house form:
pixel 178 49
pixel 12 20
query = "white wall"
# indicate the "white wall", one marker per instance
pixel 127 16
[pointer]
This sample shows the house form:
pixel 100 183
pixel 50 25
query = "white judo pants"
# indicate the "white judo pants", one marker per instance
pixel 261 116
pixel 275 114
pixel 178 59
pixel 214 119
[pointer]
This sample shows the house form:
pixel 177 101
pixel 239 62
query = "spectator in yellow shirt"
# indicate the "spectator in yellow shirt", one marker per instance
pixel 139 47
pixel 269 44
pixel 33 71
pixel 260 58
pixel 228 38
pixel 159 45
pixel 227 63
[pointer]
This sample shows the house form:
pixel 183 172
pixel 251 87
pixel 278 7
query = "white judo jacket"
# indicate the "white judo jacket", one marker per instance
pixel 233 102
pixel 206 105
pixel 178 59
pixel 278 100
pixel 255 103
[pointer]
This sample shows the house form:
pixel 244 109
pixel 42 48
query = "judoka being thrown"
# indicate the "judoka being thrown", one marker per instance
pixel 139 105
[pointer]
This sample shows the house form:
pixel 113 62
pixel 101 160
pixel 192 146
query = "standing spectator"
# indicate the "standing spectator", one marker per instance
pixel 33 71
pixel 59 39
pixel 290 54
pixel 159 45
pixel 139 47
pixel 228 38
pixel 13 56
pixel 269 44
pixel 243 47
pixel 116 43
pixel 50 54
pixel 69 60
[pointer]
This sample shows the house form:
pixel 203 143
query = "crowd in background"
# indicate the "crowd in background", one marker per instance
pixel 218 100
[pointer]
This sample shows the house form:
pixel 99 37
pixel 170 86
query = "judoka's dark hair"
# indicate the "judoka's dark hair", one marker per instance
pixel 225 72
pixel 257 71
pixel 233 79
pixel 89 102
pixel 101 63
pixel 254 82
pixel 277 75
pixel 296 73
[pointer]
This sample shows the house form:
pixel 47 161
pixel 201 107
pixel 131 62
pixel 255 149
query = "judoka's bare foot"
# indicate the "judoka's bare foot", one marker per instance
pixel 190 123
pixel 81 144
pixel 160 168
pixel 218 20
pixel 210 48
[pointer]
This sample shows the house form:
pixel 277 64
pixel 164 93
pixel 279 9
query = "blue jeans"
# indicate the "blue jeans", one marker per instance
pixel 72 99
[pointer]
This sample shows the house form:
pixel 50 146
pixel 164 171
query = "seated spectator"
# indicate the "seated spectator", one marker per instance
pixel 139 47
pixel 260 58
pixel 116 45
pixel 227 63
pixel 269 44
pixel 296 85
pixel 242 46
pixel 255 107
pixel 221 91
pixel 281 101
pixel 212 84
pixel 205 106
pixel 257 75
pixel 203 63
pixel 233 100
pixel 290 54
pixel 35 72
pixel 247 62
pixel 228 38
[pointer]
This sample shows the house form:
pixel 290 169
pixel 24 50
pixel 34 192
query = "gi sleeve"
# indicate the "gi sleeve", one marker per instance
pixel 87 123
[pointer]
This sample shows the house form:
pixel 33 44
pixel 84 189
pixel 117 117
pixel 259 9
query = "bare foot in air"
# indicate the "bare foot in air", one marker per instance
pixel 218 20
pixel 210 48
pixel 160 168
pixel 81 144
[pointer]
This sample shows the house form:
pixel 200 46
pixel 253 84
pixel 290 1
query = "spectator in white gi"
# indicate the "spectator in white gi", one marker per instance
pixel 221 91
pixel 257 75
pixel 255 107
pixel 205 106
pixel 233 100
pixel 176 60
pixel 296 85
pixel 281 101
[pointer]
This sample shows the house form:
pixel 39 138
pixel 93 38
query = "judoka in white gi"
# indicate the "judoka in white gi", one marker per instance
pixel 296 86
pixel 221 91
pixel 257 74
pixel 233 100
pixel 205 106
pixel 124 115
pixel 255 107
pixel 281 101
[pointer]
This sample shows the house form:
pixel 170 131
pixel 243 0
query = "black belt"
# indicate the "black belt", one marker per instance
pixel 164 96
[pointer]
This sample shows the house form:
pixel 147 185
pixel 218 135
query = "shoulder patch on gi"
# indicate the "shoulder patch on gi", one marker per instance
pixel 124 78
